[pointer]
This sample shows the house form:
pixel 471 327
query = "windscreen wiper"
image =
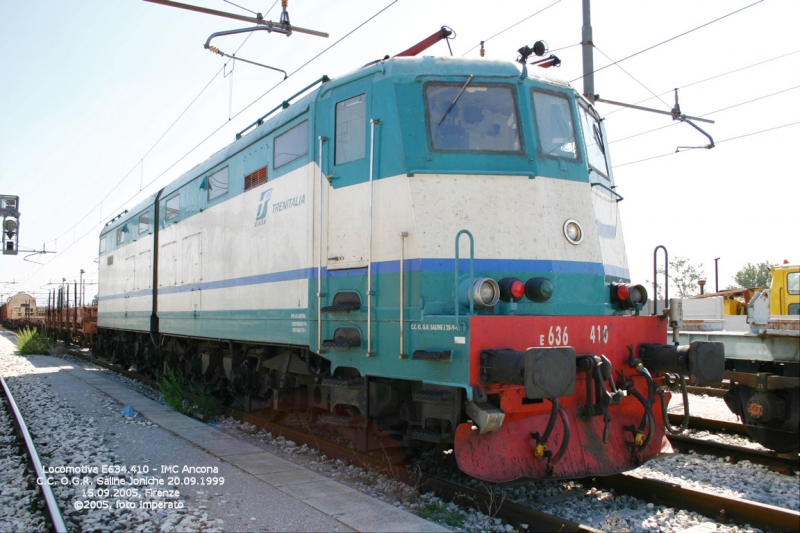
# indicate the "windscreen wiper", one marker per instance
pixel 455 100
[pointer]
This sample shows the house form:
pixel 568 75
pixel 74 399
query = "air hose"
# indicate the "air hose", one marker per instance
pixel 648 416
pixel 565 441
pixel 541 445
pixel 685 422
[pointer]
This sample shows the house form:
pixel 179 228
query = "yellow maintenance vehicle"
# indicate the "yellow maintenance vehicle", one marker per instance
pixel 762 363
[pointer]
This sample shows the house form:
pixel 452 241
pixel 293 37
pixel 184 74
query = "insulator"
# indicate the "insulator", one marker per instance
pixel 483 52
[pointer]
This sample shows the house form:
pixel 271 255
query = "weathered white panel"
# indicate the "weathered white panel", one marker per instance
pixel 167 276
pixel 529 225
pixel 190 259
pixel 609 229
pixel 348 226
pixel 129 273
pixel 144 272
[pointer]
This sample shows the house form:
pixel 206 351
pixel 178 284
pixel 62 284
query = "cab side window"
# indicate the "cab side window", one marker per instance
pixel 351 129
pixel 218 183
pixel 291 145
pixel 144 223
pixel 173 207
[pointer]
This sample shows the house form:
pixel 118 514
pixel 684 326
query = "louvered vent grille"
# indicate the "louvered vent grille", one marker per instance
pixel 259 177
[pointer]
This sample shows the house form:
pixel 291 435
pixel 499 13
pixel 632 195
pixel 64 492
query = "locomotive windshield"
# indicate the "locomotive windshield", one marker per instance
pixel 472 117
pixel 593 138
pixel 554 124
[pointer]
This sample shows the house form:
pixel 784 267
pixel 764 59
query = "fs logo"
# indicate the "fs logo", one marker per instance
pixel 262 209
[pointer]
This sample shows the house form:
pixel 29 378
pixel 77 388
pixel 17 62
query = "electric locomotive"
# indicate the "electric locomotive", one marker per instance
pixel 426 253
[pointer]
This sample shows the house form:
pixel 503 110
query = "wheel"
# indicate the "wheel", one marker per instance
pixel 770 418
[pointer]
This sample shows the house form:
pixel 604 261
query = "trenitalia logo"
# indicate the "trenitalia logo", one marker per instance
pixel 264 206
pixel 281 205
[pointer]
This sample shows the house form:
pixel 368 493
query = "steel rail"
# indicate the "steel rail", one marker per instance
pixel 514 513
pixel 50 499
pixel 720 508
pixel 708 424
pixel 708 391
pixel 784 463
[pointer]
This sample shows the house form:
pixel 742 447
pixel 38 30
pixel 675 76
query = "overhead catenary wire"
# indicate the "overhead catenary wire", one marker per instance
pixel 248 106
pixel 752 133
pixel 716 76
pixel 667 40
pixel 242 7
pixel 93 228
pixel 155 144
pixel 707 114
pixel 631 76
pixel 513 25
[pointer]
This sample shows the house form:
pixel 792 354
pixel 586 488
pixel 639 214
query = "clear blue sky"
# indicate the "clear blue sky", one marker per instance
pixel 89 87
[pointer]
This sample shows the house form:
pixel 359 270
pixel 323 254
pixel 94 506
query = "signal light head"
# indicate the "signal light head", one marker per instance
pixel 539 289
pixel 622 292
pixel 629 296
pixel 511 289
pixel 484 292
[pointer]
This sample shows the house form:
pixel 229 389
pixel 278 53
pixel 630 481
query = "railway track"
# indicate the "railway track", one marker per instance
pixel 717 392
pixel 783 463
pixel 709 424
pixel 53 512
pixel 721 508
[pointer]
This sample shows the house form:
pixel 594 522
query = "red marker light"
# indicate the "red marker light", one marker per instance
pixel 628 296
pixel 517 289
pixel 511 289
pixel 623 292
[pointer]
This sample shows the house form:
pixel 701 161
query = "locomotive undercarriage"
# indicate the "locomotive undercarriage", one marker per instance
pixel 274 380
pixel 765 396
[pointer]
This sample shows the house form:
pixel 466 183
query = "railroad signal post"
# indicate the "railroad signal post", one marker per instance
pixel 9 210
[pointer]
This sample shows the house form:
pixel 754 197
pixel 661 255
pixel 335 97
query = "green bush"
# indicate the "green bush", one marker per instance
pixel 172 387
pixel 31 341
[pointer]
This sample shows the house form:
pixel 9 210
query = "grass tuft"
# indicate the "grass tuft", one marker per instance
pixel 184 397
pixel 31 341
pixel 442 512
pixel 171 388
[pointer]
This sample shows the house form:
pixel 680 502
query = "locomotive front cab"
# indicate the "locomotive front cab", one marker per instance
pixel 537 317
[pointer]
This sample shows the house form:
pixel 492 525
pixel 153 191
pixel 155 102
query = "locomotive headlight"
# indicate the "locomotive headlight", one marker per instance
pixel 638 295
pixel 484 292
pixel 629 296
pixel 573 231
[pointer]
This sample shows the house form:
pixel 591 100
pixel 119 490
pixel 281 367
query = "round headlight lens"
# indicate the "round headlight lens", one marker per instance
pixel 573 231
pixel 638 295
pixel 487 292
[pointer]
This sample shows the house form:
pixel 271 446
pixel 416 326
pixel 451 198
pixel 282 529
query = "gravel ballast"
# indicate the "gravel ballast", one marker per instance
pixel 79 426
pixel 598 508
